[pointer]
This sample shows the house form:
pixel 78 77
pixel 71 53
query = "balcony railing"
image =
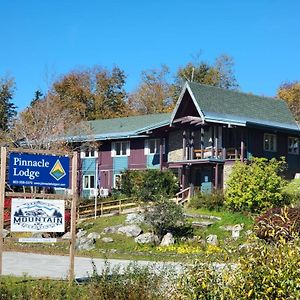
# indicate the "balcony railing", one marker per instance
pixel 223 153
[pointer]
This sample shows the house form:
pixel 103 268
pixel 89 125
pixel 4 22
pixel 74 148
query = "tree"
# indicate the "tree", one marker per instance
pixel 290 92
pixel 7 108
pixel 155 94
pixel 95 93
pixel 256 186
pixel 44 125
pixel 219 74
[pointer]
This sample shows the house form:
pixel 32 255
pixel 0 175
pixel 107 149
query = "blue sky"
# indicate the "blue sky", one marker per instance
pixel 41 40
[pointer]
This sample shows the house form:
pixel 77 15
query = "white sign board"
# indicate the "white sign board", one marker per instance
pixel 36 215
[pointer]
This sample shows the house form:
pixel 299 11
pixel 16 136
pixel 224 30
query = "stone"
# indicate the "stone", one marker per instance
pixel 5 233
pixel 84 243
pixel 94 235
pixel 202 224
pixel 112 229
pixel 167 240
pixel 107 240
pixel 147 238
pixel 135 218
pixel 67 236
pixel 37 235
pixel 130 230
pixel 212 239
pixel 81 233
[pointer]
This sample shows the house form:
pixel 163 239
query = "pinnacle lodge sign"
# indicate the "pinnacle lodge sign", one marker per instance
pixel 38 170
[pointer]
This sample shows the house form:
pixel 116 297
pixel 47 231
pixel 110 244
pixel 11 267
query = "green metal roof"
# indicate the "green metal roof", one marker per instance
pixel 123 127
pixel 233 106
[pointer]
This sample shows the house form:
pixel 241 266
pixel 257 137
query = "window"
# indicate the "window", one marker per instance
pixel 88 181
pixel 152 146
pixel 117 181
pixel 89 153
pixel 121 148
pixel 293 145
pixel 270 143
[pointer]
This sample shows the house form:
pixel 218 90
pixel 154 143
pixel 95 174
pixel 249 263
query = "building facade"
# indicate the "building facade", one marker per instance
pixel 209 129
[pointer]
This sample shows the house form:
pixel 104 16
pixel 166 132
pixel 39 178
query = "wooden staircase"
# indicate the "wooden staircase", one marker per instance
pixel 183 196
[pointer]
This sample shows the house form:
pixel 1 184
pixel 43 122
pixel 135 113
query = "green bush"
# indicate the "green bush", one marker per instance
pixel 164 217
pixel 262 271
pixel 278 223
pixel 292 191
pixel 213 201
pixel 148 185
pixel 256 186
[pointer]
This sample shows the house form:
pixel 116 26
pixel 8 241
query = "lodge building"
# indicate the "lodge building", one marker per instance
pixel 209 129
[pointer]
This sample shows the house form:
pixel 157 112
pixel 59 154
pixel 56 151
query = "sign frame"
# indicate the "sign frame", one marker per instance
pixel 73 197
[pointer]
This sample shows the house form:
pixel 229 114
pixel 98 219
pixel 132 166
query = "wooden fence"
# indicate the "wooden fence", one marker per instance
pixel 106 207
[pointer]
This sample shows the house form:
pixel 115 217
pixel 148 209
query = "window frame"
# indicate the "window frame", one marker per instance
pixel 83 153
pixel 114 152
pixel 89 182
pixel 293 145
pixel 157 146
pixel 118 175
pixel 267 138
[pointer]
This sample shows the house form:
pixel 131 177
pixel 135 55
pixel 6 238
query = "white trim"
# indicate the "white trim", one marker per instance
pixel 83 154
pixel 113 149
pixel 115 176
pixel 89 182
pixel 196 103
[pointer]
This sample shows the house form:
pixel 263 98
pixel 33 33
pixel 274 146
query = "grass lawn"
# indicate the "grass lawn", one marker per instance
pixel 125 247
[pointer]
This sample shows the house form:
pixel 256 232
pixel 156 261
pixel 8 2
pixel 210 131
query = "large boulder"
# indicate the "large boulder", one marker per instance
pixel 112 229
pixel 167 240
pixel 212 239
pixel 135 218
pixel 130 230
pixel 81 233
pixel 107 240
pixel 94 235
pixel 85 243
pixel 67 236
pixel 147 238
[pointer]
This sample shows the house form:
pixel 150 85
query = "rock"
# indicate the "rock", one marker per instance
pixel 85 243
pixel 147 238
pixel 202 224
pixel 198 216
pixel 212 239
pixel 37 235
pixel 107 240
pixel 67 236
pixel 130 230
pixel 135 218
pixel 167 240
pixel 81 233
pixel 5 233
pixel 235 230
pixel 94 235
pixel 112 229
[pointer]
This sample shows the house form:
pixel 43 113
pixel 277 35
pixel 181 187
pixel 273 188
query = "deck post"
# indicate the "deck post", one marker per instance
pixel 161 153
pixel 216 176
pixel 242 147
pixel 192 144
pixel 202 142
pixel 235 144
pixel 184 145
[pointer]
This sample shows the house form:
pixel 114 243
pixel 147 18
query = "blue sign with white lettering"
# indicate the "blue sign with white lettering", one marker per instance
pixel 39 170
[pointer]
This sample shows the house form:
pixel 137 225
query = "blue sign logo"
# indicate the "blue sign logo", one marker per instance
pixel 39 170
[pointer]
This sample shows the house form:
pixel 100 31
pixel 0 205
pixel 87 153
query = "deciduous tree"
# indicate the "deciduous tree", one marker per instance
pixel 290 92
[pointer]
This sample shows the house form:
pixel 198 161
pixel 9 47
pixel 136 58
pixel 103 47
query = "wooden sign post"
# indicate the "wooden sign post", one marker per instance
pixel 74 196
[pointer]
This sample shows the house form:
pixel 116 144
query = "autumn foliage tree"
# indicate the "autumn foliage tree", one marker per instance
pixel 290 92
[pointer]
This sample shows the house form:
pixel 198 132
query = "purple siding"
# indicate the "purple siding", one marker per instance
pixel 137 158
pixel 106 161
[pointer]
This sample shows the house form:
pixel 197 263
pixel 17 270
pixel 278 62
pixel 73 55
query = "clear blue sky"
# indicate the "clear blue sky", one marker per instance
pixel 41 39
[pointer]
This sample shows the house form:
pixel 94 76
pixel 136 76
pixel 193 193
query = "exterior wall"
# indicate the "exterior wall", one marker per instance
pixel 175 146
pixel 227 169
pixel 137 158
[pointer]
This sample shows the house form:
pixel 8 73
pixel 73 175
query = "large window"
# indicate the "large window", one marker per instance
pixel 117 181
pixel 293 145
pixel 88 181
pixel 152 146
pixel 121 148
pixel 270 143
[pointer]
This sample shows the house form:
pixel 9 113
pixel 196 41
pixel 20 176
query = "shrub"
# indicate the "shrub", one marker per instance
pixel 292 191
pixel 149 185
pixel 213 201
pixel 165 216
pixel 256 186
pixel 263 271
pixel 278 223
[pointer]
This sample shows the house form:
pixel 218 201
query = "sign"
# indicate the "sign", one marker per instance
pixel 38 170
pixel 28 215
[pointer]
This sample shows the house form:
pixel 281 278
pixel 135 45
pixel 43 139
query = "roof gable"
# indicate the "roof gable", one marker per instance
pixel 229 106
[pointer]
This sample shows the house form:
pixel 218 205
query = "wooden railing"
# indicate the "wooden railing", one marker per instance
pixel 183 196
pixel 105 207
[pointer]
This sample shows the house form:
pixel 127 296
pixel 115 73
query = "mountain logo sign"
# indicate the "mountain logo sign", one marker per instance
pixel 58 171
